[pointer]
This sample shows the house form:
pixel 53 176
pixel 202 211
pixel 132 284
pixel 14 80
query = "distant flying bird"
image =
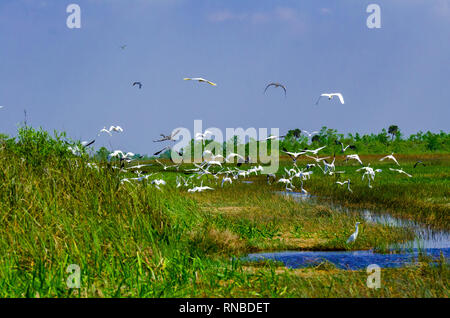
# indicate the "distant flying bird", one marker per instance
pixel 330 97
pixel 310 133
pixel 111 129
pixel 199 79
pixel 353 237
pixel 415 165
pixel 168 137
pixel 276 85
pixel 391 156
pixel 123 46
pixel 138 83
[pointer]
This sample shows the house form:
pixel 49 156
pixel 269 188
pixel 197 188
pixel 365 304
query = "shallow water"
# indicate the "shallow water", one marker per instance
pixel 427 240
pixel 353 260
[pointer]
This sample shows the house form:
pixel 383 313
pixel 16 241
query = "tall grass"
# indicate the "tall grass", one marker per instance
pixel 133 240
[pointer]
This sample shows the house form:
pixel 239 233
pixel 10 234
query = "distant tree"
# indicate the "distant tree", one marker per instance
pixel 102 154
pixel 296 133
pixel 393 130
pixel 315 138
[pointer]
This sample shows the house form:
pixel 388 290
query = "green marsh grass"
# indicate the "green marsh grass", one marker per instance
pixel 133 240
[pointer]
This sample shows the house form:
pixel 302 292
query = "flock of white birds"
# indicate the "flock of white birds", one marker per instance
pixel 211 165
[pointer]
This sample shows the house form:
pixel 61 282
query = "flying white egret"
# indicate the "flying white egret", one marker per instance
pixel 158 182
pixel 120 154
pixel 310 134
pixel 315 151
pixel 353 237
pixel 401 171
pixel 329 167
pixel 226 179
pixel 317 159
pixel 345 182
pixel 232 156
pixel 165 167
pixel 330 97
pixel 354 157
pixel 294 155
pixel 272 138
pixel 110 130
pixel 391 156
pixel 343 149
pixel 199 79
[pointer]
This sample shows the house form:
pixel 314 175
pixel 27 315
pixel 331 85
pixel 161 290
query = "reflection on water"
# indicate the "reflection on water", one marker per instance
pixel 296 195
pixel 426 237
pixel 427 240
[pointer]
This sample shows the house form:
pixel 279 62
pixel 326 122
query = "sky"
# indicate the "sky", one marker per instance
pixel 80 80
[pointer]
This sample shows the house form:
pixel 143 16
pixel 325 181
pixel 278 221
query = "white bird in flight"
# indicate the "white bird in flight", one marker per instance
pixel 330 97
pixel 199 79
pixel 310 133
pixel 315 151
pixel 391 156
pixel 401 171
pixel 110 130
pixel 232 155
pixel 345 182
pixel 354 157
pixel 120 154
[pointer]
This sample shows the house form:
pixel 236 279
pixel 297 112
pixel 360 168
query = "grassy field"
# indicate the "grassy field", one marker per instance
pixel 424 198
pixel 133 240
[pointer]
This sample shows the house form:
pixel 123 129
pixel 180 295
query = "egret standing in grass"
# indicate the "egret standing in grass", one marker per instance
pixel 353 237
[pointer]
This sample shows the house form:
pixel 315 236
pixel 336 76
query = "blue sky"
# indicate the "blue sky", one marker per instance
pixel 79 80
